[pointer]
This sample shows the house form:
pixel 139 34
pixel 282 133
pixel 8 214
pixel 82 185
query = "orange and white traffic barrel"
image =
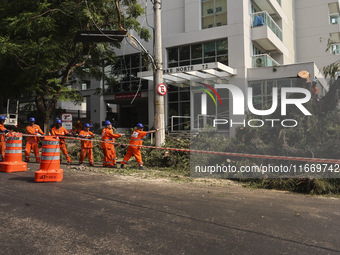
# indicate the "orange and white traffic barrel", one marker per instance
pixel 13 154
pixel 50 161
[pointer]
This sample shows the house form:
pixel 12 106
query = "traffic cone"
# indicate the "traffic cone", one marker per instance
pixel 13 154
pixel 50 161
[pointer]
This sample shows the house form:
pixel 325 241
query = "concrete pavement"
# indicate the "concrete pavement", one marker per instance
pixel 97 213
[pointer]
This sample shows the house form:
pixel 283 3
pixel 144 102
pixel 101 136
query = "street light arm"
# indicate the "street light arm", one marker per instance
pixel 145 50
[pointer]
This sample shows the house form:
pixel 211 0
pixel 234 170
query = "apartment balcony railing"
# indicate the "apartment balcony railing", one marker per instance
pixel 264 60
pixel 264 19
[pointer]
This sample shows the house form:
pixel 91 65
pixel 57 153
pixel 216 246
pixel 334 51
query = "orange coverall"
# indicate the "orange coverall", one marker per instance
pixel 86 147
pixel 136 139
pixel 79 127
pixel 2 142
pixel 61 131
pixel 108 148
pixel 32 142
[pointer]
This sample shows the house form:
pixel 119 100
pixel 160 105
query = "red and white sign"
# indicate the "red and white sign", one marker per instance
pixel 128 95
pixel 66 117
pixel 162 89
pixel 66 121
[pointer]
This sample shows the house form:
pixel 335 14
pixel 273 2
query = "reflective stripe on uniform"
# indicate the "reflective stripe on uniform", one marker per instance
pixel 136 139
pixel 50 158
pixel 12 151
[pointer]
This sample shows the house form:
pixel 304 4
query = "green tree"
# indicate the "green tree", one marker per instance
pixel 38 37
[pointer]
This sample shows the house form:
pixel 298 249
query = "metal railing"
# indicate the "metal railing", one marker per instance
pixel 264 19
pixel 206 119
pixel 179 117
pixel 263 60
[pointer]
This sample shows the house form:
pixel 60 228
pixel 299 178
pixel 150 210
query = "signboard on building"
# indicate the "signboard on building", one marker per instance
pixel 66 121
pixel 128 95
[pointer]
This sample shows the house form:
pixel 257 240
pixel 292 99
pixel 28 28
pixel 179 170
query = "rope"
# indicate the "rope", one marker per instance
pixel 323 160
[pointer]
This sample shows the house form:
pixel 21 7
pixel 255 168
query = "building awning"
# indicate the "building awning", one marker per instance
pixel 206 71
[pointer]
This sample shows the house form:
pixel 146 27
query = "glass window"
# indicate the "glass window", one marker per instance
pixel 214 13
pixel 223 60
pixel 173 55
pixel 184 108
pixel 135 60
pixel 184 52
pixel 85 85
pixel 122 73
pixel 212 51
pixel 209 49
pixel 173 97
pixel 184 96
pixel 333 10
pixel 126 86
pixel 221 47
pixel 335 49
pixel 257 89
pixel 196 51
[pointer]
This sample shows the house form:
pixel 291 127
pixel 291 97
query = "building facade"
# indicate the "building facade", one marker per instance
pixel 247 43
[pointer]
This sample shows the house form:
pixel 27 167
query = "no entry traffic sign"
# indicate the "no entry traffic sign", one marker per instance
pixel 162 89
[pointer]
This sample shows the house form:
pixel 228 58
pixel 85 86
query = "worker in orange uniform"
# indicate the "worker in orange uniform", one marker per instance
pixel 3 130
pixel 58 130
pixel 107 144
pixel 86 146
pixel 136 139
pixel 32 141
pixel 79 127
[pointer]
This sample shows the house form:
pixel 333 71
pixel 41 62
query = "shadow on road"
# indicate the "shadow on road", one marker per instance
pixel 27 179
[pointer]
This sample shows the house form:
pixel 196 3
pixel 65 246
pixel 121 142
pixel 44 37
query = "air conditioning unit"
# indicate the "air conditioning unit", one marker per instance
pixel 259 62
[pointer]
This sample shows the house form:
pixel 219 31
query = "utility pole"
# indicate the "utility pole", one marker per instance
pixel 158 77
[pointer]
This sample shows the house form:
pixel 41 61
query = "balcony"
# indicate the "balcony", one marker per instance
pixel 263 60
pixel 264 19
pixel 273 7
pixel 267 33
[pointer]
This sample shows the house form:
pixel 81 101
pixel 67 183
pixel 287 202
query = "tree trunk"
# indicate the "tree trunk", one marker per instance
pixel 45 110
pixel 46 125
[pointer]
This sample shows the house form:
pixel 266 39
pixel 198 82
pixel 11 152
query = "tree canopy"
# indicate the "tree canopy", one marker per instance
pixel 37 50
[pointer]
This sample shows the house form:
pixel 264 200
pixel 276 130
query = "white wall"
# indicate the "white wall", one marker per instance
pixel 312 31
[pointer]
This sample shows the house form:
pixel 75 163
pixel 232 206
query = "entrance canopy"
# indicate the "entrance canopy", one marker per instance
pixel 206 71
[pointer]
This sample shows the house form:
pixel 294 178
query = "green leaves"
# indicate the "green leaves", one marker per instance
pixel 36 43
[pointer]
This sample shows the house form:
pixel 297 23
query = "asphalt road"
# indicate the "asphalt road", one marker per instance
pixel 96 213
